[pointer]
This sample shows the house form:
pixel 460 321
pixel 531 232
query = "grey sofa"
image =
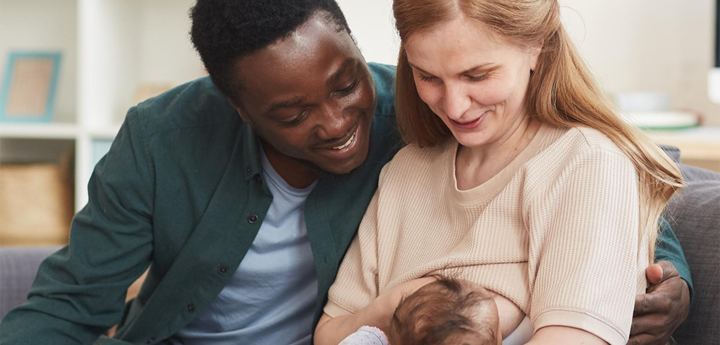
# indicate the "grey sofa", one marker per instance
pixel 18 266
pixel 694 214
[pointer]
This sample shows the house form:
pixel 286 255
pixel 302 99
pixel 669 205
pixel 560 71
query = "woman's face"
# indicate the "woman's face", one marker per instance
pixel 474 80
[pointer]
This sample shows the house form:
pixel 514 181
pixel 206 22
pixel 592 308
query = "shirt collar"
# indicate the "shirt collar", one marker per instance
pixel 251 151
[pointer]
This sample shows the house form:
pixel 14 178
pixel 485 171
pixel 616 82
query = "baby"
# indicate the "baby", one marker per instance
pixel 445 312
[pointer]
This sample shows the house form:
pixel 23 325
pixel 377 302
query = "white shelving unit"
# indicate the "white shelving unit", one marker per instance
pixel 109 49
pixel 34 131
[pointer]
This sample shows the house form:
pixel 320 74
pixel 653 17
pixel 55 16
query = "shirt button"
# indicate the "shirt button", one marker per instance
pixel 252 218
pixel 247 170
pixel 190 307
pixel 222 269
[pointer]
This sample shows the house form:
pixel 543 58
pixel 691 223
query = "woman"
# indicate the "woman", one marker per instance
pixel 518 177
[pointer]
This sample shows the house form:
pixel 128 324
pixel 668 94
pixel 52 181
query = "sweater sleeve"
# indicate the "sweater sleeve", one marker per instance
pixel 356 284
pixel 585 262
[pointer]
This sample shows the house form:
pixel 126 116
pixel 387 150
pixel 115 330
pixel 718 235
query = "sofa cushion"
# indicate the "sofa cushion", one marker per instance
pixel 18 266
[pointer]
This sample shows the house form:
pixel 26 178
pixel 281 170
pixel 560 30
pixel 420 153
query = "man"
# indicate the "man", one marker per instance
pixel 241 194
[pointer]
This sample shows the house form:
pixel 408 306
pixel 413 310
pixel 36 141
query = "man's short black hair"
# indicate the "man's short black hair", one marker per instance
pixel 226 30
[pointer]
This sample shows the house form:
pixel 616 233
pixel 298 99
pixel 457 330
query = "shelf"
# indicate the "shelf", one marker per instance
pixel 700 143
pixel 29 150
pixel 39 131
pixel 55 131
pixel 104 133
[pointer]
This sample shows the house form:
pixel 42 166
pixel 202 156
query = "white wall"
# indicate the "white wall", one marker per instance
pixel 631 45
pixel 373 26
pixel 19 23
pixel 648 45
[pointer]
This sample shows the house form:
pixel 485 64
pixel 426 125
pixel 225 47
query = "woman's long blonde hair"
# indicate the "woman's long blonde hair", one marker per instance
pixel 562 91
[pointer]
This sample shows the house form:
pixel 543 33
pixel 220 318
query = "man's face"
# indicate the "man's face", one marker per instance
pixel 311 96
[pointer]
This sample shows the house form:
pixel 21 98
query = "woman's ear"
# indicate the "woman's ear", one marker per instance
pixel 534 52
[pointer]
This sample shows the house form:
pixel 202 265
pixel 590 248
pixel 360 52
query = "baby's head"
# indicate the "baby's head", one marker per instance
pixel 445 312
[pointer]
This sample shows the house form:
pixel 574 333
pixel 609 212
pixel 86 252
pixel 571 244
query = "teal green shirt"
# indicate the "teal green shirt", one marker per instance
pixel 668 249
pixel 181 192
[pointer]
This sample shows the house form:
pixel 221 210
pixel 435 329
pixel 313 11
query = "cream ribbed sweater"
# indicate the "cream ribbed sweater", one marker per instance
pixel 556 232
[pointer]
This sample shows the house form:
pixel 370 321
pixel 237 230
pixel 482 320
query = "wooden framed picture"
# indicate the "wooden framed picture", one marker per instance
pixel 29 87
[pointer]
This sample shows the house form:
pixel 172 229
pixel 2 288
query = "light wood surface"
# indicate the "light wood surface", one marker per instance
pixel 698 146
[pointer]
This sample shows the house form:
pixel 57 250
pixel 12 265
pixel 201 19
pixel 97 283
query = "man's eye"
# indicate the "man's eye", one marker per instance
pixel 297 119
pixel 349 89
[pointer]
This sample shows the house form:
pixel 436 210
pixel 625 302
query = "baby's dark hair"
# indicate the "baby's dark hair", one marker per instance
pixel 226 30
pixel 444 312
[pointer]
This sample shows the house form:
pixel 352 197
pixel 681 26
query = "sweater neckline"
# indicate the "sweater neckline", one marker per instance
pixel 490 188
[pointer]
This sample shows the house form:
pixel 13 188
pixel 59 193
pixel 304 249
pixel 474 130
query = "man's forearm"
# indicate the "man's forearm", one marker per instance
pixel 24 325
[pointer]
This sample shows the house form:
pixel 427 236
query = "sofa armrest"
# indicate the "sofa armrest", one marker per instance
pixel 18 267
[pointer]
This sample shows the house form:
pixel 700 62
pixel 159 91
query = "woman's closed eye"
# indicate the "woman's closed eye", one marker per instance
pixel 427 78
pixel 477 78
pixel 471 78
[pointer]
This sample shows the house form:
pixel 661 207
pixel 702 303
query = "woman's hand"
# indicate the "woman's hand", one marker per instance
pixel 330 331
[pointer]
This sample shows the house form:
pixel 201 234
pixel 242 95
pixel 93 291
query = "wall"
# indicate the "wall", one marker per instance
pixel 18 22
pixel 372 25
pixel 648 45
pixel 638 45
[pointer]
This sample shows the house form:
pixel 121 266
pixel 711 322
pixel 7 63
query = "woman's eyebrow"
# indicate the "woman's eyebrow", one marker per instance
pixel 484 66
pixel 418 68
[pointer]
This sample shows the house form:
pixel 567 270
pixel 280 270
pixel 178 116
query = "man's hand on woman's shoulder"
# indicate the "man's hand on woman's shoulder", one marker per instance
pixel 662 309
